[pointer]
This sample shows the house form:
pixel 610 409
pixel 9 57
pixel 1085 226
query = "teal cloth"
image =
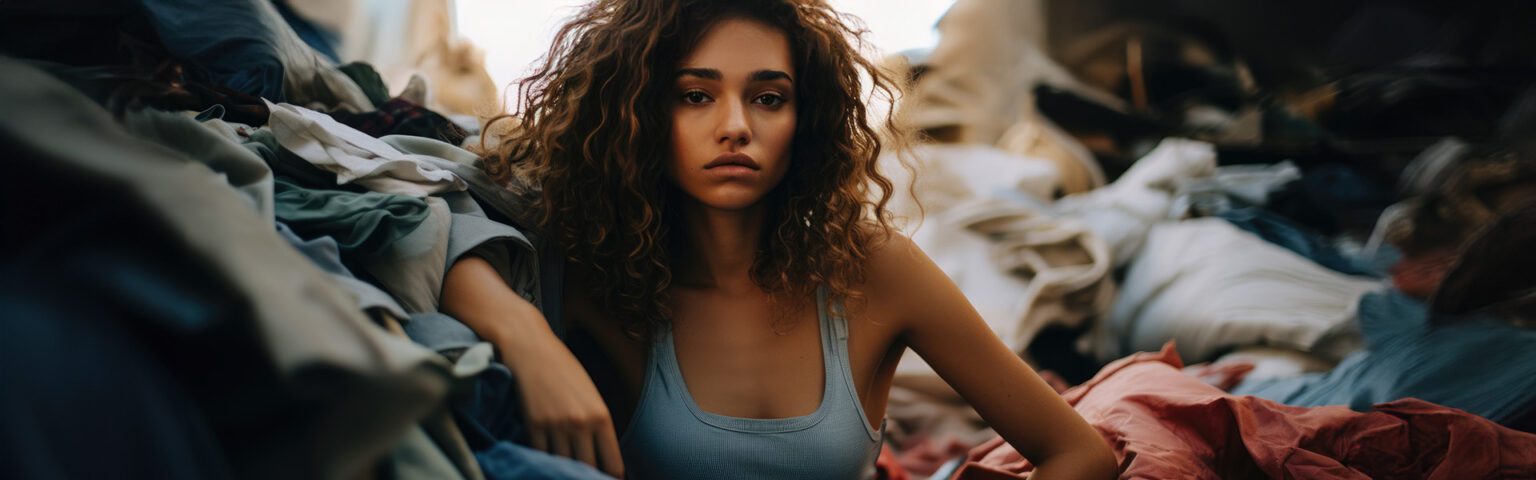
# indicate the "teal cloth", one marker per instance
pixel 369 80
pixel 363 223
pixel 670 437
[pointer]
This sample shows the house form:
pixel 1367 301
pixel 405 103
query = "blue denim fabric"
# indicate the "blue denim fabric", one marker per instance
pixel 508 461
pixel 1482 365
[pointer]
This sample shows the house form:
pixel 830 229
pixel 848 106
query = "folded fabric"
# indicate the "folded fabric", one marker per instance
pixel 1165 424
pixel 1213 288
pixel 364 223
pixel 290 356
pixel 1480 364
pixel 356 157
pixel 247 46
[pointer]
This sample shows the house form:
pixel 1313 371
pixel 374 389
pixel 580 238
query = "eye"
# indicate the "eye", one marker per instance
pixel 695 97
pixel 769 99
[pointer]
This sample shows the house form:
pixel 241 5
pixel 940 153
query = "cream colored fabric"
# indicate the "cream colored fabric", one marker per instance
pixel 1035 136
pixel 986 225
pixel 1123 212
pixel 981 74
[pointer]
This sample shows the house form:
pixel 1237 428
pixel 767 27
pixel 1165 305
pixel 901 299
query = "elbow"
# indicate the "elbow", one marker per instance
pixel 1086 461
pixel 1100 462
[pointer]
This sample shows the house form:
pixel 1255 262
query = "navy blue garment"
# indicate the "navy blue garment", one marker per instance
pixel 1479 364
pixel 226 40
pixel 509 461
pixel 489 411
pixel 83 395
pixel 1282 231
pixel 88 388
pixel 322 40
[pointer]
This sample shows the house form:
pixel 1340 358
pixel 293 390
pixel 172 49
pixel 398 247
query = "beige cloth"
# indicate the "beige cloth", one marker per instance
pixel 984 223
pixel 401 38
pixel 1036 137
pixel 980 79
pixel 980 74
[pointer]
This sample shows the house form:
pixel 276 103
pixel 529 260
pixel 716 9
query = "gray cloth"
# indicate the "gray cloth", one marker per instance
pixel 412 268
pixel 243 169
pixel 353 390
pixel 417 457
pixel 510 250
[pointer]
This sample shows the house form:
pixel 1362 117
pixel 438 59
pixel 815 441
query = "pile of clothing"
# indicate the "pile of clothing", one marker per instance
pixel 225 255
pixel 1123 183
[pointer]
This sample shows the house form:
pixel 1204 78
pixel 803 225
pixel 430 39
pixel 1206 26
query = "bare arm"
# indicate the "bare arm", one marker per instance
pixel 566 415
pixel 943 327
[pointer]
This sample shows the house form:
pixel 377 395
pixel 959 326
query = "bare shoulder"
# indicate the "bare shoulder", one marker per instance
pixel 891 254
pixel 900 276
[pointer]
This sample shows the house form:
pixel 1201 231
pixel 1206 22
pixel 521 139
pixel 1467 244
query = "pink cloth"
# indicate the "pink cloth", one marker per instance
pixel 1163 423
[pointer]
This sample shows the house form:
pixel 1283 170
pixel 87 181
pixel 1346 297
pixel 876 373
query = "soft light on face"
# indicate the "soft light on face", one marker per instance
pixel 733 119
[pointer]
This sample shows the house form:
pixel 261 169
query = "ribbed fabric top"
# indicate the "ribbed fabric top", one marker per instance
pixel 670 437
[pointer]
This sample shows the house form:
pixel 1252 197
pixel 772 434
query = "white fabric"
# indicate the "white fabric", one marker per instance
pixel 986 227
pixel 356 157
pixel 1212 287
pixel 949 174
pixel 1121 213
pixel 1251 184
pixel 1274 363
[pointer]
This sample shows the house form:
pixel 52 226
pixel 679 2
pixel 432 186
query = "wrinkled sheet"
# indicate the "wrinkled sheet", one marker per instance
pixel 1165 424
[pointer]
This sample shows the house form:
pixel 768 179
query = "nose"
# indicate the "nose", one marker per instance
pixel 733 130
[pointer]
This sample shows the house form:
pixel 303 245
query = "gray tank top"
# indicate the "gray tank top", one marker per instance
pixel 670 437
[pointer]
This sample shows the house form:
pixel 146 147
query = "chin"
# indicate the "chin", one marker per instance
pixel 732 199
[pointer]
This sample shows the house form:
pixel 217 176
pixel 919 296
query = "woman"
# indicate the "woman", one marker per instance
pixel 708 166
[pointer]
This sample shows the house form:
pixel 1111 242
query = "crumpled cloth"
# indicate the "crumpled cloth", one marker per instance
pixel 356 157
pixel 1163 423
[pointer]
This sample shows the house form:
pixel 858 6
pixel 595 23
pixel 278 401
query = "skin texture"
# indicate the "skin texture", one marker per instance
pixel 744 351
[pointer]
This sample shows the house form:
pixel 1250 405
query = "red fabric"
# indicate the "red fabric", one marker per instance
pixel 1163 423
pixel 886 467
pixel 924 455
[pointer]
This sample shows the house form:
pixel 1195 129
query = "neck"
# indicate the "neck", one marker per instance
pixel 719 246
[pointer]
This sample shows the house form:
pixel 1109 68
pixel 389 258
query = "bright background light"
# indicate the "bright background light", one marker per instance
pixel 514 34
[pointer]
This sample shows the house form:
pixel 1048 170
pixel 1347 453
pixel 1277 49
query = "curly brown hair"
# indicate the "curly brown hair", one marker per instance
pixel 593 142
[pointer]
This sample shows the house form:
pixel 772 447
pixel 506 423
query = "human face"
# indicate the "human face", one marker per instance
pixel 733 120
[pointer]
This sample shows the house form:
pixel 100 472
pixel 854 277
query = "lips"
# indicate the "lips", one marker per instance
pixel 733 159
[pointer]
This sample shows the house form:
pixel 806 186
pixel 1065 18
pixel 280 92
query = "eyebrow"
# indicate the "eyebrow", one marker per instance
pixel 712 74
